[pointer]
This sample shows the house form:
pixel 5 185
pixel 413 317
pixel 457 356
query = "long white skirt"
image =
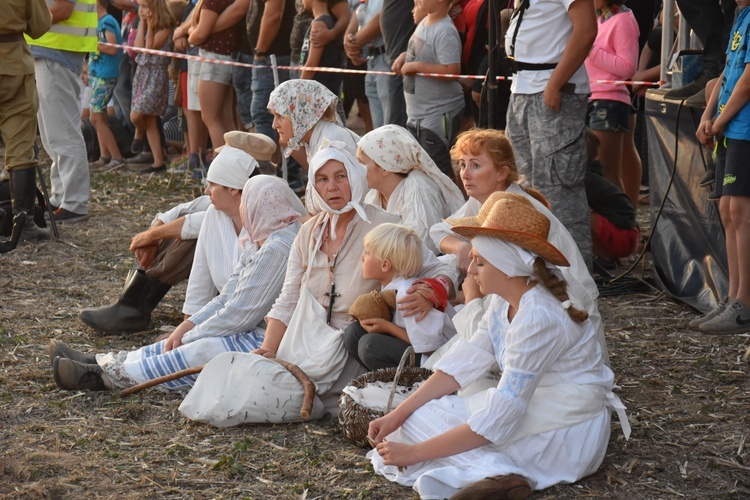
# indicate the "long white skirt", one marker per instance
pixel 559 456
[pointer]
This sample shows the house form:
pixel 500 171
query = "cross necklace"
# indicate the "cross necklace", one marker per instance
pixel 332 256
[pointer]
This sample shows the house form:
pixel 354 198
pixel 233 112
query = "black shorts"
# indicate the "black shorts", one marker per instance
pixel 732 173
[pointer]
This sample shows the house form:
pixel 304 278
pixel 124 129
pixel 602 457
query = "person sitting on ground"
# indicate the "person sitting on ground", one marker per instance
pixel 392 256
pixel 231 322
pixel 165 252
pixel 613 226
pixel 488 168
pixel 547 421
pixel 405 181
pixel 304 115
pixel 324 277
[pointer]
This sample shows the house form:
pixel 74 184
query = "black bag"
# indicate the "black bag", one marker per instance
pixel 121 133
pixel 6 226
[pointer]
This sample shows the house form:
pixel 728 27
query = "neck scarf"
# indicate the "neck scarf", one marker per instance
pixel 268 204
pixel 304 102
pixel 394 149
pixel 355 172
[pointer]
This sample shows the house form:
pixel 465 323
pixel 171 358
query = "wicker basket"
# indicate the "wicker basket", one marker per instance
pixel 354 418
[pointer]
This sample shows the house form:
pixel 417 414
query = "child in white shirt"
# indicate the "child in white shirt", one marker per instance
pixel 393 255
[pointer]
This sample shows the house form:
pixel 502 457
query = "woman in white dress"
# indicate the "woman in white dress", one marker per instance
pixel 405 181
pixel 304 115
pixel 548 419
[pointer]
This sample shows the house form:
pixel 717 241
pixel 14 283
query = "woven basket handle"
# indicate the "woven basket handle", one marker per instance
pixel 408 352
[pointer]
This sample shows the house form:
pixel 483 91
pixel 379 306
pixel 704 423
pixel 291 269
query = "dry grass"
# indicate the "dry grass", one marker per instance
pixel 687 393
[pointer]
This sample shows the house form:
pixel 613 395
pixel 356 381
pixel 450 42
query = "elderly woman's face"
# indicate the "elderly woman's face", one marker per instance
pixel 283 126
pixel 480 176
pixel 332 184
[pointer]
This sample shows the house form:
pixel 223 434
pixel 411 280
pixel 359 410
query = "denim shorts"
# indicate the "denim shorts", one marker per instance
pixel 219 73
pixel 608 116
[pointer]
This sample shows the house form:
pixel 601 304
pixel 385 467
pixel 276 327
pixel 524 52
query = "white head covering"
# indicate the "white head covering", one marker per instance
pixel 394 149
pixel 509 258
pixel 268 204
pixel 304 102
pixel 355 171
pixel 231 168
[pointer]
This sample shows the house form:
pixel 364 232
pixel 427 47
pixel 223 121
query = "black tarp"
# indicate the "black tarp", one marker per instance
pixel 687 247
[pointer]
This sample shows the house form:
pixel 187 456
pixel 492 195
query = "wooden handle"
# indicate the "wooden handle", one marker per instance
pixel 307 386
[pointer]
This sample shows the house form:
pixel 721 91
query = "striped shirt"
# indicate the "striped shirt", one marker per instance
pixel 250 292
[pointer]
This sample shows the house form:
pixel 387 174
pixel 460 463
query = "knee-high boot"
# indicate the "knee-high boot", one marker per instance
pixel 23 197
pixel 132 311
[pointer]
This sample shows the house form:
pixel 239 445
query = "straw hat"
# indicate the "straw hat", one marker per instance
pixel 512 218
pixel 259 146
pixel 375 304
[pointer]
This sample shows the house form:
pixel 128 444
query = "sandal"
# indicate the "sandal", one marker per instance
pixel 115 164
pixel 100 163
pixel 153 169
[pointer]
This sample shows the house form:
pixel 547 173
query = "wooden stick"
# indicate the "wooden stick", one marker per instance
pixel 161 380
pixel 308 387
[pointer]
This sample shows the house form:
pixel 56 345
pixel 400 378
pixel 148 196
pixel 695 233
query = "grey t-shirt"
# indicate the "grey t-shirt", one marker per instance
pixel 425 96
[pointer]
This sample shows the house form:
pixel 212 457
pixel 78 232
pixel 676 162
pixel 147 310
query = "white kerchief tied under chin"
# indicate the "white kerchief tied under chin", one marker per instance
pixel 507 257
pixel 356 173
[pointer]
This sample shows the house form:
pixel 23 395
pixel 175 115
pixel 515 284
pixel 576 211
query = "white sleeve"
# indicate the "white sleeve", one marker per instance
pixel 285 304
pixel 200 204
pixel 192 226
pixel 442 229
pixel 468 360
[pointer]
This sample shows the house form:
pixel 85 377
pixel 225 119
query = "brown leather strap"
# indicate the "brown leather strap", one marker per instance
pixel 11 37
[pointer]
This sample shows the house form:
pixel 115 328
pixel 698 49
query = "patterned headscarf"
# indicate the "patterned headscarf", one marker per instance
pixel 268 204
pixel 304 102
pixel 394 149
pixel 356 173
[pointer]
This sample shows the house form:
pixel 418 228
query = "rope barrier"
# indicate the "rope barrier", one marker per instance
pixel 180 55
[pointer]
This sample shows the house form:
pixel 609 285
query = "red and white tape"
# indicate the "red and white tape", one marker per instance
pixel 180 55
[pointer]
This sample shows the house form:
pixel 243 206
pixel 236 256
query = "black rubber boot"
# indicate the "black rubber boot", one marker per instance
pixel 23 197
pixel 132 311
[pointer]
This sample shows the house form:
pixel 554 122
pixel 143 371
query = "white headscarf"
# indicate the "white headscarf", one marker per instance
pixel 356 173
pixel 394 149
pixel 268 204
pixel 231 168
pixel 304 102
pixel 509 258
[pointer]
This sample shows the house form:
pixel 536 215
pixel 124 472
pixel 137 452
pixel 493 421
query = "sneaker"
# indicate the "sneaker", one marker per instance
pixel 137 146
pixel 643 190
pixel 735 318
pixel 142 158
pixel 697 100
pixel 690 89
pixel 62 215
pixel 713 195
pixel 707 179
pixel 718 309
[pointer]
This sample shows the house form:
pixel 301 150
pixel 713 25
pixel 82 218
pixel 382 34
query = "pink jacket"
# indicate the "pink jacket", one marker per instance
pixel 614 56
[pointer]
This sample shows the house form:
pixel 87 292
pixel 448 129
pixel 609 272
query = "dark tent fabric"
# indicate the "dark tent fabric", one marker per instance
pixel 687 247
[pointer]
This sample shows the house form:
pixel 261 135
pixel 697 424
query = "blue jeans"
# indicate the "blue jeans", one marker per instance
pixel 242 79
pixel 377 88
pixel 262 86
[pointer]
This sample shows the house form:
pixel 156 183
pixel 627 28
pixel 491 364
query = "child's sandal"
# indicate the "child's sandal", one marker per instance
pixel 115 164
pixel 100 163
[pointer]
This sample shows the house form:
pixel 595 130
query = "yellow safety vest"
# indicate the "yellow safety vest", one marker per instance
pixel 75 34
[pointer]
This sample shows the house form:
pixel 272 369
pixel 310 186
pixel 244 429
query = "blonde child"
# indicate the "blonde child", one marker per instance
pixel 103 69
pixel 151 79
pixel 547 420
pixel 393 256
pixel 433 103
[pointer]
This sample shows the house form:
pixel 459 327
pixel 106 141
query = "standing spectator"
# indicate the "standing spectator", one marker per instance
pixel 123 90
pixel 58 58
pixel 103 68
pixel 396 28
pixel 151 79
pixel 547 111
pixel 614 56
pixel 726 121
pixel 363 42
pixel 18 108
pixel 329 55
pixel 433 103
pixel 215 80
pixel 269 23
